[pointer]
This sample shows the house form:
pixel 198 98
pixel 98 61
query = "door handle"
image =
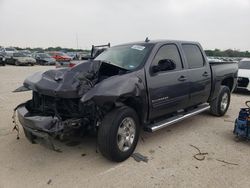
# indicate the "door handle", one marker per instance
pixel 205 74
pixel 182 78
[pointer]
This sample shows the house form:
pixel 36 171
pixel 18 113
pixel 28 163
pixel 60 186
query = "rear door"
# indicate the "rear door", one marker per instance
pixel 199 74
pixel 168 90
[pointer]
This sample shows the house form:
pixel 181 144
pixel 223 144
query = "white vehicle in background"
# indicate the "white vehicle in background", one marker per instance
pixel 244 74
pixel 26 52
pixel 9 51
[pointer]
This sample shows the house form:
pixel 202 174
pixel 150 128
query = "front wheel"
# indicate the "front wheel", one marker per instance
pixel 118 134
pixel 220 105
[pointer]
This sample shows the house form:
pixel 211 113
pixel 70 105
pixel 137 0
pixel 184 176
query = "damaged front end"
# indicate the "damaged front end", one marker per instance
pixel 62 103
pixel 44 118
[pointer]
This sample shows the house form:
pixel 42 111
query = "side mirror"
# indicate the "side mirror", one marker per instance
pixel 164 65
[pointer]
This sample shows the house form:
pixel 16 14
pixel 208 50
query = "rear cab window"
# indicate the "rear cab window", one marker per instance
pixel 193 56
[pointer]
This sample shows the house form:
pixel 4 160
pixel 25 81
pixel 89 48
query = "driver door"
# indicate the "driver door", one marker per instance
pixel 169 89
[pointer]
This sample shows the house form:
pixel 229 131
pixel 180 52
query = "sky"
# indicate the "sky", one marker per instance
pixel 219 24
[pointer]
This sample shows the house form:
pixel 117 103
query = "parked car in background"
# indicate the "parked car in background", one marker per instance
pixel 73 55
pixel 60 56
pixel 44 59
pixel 9 51
pixel 1 49
pixel 19 58
pixel 26 52
pixel 2 59
pixel 244 74
pixel 83 55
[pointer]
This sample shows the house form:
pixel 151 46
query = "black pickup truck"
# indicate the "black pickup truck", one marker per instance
pixel 147 85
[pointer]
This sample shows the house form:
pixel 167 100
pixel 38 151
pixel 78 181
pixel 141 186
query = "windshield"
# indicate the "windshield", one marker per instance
pixel 126 56
pixel 244 65
pixel 19 55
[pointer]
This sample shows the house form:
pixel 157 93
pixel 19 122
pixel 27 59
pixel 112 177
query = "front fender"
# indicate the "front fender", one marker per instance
pixel 115 89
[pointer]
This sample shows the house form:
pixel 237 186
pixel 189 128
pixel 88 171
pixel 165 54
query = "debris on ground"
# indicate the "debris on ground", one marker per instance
pixel 151 151
pixel 49 182
pixel 226 162
pixel 142 139
pixel 139 157
pixel 199 156
pixel 84 154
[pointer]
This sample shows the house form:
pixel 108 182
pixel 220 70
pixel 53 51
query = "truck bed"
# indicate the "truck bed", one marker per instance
pixel 220 71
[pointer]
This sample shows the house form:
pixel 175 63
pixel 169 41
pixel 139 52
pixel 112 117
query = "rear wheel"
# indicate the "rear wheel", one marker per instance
pixel 220 105
pixel 118 134
pixel 17 63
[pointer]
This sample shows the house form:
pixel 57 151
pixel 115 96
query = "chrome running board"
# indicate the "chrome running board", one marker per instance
pixel 169 121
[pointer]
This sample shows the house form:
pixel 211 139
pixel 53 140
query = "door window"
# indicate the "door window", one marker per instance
pixel 193 55
pixel 169 51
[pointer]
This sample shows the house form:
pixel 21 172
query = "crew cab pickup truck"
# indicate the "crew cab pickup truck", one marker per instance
pixel 143 85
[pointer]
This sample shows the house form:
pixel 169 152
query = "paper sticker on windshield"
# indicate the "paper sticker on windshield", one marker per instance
pixel 138 47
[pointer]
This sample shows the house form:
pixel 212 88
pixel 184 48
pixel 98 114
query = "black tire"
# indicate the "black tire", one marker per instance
pixel 108 134
pixel 216 105
pixel 16 63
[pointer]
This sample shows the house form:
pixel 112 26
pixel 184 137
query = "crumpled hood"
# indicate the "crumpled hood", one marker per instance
pixel 63 82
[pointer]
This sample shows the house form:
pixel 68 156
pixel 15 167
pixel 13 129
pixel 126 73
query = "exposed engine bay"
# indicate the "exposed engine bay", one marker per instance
pixel 56 107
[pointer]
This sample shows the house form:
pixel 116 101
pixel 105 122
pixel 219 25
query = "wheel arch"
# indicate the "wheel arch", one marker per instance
pixel 229 82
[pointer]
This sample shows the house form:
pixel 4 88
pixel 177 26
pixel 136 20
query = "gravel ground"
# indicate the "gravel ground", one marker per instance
pixel 171 162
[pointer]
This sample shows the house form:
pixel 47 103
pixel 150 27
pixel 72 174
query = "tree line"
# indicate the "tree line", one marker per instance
pixel 52 49
pixel 227 53
pixel 215 52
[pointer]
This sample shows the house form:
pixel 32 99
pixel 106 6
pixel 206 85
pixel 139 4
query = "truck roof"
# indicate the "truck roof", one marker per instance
pixel 159 41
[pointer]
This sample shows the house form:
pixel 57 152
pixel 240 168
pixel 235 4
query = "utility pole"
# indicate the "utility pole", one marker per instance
pixel 77 47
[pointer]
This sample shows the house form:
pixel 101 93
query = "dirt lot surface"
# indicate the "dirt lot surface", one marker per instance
pixel 171 162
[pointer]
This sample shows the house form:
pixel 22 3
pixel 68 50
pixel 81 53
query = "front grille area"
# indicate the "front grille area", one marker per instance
pixel 49 105
pixel 243 82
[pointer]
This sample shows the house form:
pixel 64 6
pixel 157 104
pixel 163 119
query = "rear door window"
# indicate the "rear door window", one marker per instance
pixel 193 55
